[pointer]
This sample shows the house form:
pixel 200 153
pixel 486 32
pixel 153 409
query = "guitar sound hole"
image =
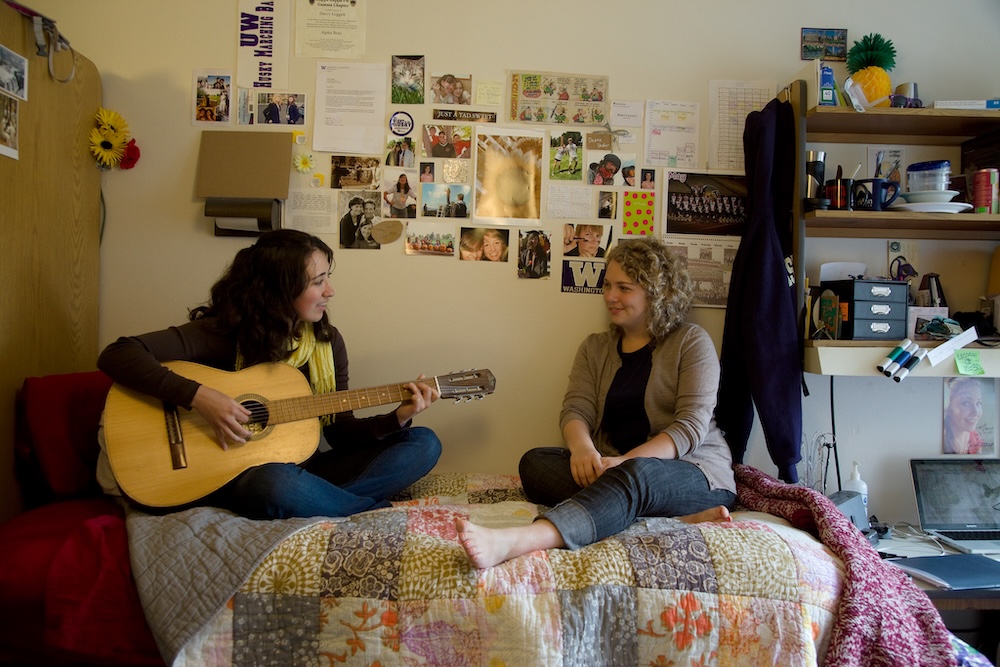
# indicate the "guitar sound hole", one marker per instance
pixel 259 416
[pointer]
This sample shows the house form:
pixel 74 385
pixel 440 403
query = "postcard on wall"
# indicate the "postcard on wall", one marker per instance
pixel 330 29
pixel 262 55
pixel 638 213
pixel 448 88
pixel 672 134
pixel 441 200
pixel 703 203
pixel 508 173
pixel 484 244
pixel 450 141
pixel 13 73
pixel 550 97
pixel 709 261
pixel 9 126
pixel 354 172
pixel 358 212
pixel 582 276
pixel 408 79
pixel 824 43
pixel 432 239
pixel 610 168
pixel 213 97
pixel 730 102
pixel 399 192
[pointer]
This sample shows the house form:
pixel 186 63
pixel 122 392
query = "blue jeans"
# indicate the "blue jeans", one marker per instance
pixel 638 487
pixel 333 483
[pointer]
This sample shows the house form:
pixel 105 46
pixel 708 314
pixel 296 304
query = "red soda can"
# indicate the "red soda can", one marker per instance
pixel 984 191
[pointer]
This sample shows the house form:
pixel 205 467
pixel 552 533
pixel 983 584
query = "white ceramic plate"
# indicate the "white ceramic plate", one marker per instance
pixel 933 207
pixel 928 196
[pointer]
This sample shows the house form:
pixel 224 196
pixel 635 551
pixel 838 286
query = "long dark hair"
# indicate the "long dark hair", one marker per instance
pixel 254 298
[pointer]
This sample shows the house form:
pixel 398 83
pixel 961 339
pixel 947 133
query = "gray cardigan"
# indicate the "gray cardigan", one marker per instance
pixel 680 397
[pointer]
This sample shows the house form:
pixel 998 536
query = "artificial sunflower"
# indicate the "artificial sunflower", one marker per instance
pixel 108 147
pixel 112 121
pixel 303 163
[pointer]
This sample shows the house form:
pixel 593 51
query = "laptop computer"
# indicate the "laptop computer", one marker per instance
pixel 958 501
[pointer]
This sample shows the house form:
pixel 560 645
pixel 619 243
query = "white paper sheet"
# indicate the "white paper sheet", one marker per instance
pixel 350 107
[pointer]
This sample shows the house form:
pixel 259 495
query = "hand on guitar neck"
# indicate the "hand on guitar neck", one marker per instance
pixel 227 417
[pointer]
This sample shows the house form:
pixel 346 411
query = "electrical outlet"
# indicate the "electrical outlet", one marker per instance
pixel 901 248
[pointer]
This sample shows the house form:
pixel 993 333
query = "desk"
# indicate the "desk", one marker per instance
pixel 973 615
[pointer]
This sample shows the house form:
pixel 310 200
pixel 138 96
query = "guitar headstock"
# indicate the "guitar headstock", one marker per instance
pixel 466 385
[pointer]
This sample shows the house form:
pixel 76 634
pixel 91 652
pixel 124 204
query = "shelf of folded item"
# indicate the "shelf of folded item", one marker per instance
pixel 860 357
pixel 903 224
pixel 930 127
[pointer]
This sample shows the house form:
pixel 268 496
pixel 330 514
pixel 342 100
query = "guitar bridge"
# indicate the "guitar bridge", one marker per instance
pixel 175 438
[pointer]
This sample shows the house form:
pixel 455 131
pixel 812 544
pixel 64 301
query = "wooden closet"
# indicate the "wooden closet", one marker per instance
pixel 50 217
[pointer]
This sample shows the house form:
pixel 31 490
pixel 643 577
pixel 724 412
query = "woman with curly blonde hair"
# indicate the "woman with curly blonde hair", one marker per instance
pixel 637 421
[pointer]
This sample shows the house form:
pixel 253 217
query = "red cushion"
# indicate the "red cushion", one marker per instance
pixel 61 416
pixel 52 555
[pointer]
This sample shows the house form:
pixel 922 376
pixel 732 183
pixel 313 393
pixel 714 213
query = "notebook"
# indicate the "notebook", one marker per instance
pixel 958 501
pixel 954 572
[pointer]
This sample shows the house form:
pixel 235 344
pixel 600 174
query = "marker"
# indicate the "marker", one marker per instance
pixel 901 359
pixel 910 365
pixel 903 344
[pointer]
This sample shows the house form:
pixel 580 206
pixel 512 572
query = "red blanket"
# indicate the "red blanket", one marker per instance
pixel 883 619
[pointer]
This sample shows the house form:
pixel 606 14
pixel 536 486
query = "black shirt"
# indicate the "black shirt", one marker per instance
pixel 625 419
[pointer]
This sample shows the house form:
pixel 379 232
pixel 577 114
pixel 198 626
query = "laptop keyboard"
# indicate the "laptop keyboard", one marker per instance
pixel 971 534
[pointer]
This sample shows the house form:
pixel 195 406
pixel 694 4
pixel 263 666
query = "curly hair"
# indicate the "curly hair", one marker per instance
pixel 664 278
pixel 254 298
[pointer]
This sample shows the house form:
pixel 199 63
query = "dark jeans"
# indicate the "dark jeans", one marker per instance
pixel 636 488
pixel 333 483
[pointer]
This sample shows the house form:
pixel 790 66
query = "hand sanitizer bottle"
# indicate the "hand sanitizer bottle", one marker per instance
pixel 858 485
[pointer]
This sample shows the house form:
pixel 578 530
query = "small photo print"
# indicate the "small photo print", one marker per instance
pixel 969 416
pixel 564 156
pixel 534 253
pixel 451 89
pixel 408 79
pixel 648 181
pixel 609 168
pixel 213 96
pixel 279 108
pixel 588 241
pixel 824 43
pixel 399 152
pixel 424 237
pixel 426 172
pixel 399 193
pixel 9 123
pixel 448 141
pixel 486 244
pixel 441 200
pixel 354 172
pixel 607 205
pixel 359 215
pixel 13 73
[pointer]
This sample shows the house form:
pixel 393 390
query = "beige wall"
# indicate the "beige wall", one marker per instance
pixel 402 316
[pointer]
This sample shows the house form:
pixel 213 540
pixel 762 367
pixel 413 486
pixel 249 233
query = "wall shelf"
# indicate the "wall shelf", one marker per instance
pixel 929 127
pixel 892 224
pixel 859 357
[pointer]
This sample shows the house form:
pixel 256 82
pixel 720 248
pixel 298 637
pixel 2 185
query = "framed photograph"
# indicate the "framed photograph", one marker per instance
pixel 703 203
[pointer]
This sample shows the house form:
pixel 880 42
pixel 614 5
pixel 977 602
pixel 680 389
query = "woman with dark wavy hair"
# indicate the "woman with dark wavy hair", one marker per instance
pixel 640 437
pixel 271 306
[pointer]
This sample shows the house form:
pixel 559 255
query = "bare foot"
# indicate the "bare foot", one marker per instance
pixel 718 514
pixel 487 547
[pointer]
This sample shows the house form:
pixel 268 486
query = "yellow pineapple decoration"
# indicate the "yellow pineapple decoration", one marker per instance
pixel 869 62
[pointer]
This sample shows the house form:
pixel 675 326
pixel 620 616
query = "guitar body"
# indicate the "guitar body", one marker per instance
pixel 138 444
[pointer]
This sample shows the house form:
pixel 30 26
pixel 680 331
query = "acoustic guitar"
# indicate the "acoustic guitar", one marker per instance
pixel 163 456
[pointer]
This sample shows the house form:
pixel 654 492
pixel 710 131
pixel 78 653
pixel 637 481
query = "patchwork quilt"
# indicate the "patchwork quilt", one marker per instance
pixel 393 587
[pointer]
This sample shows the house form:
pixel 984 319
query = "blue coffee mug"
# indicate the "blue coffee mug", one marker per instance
pixel 875 194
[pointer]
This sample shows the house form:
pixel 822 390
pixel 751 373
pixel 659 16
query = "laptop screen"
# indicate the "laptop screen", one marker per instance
pixel 957 494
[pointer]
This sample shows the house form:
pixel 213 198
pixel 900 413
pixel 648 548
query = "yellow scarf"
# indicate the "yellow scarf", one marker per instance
pixel 319 356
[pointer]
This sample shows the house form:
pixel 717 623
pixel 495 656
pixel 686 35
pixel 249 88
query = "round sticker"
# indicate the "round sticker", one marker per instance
pixel 401 123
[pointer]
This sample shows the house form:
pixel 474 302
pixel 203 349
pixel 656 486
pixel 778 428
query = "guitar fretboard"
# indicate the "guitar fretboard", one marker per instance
pixel 307 407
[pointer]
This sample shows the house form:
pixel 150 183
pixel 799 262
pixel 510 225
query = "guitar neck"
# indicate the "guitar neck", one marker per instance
pixel 308 407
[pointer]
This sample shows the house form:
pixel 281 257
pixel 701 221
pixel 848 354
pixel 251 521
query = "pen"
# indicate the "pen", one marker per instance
pixel 902 345
pixel 910 365
pixel 901 359
pixel 856 170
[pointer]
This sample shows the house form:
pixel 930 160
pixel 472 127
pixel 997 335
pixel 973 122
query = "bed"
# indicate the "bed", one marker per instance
pixel 789 582
pixel 393 587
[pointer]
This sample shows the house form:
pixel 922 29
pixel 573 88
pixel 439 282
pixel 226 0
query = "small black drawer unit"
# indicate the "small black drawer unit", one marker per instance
pixel 876 309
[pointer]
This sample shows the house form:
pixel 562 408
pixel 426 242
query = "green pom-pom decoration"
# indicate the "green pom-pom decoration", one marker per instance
pixel 873 50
